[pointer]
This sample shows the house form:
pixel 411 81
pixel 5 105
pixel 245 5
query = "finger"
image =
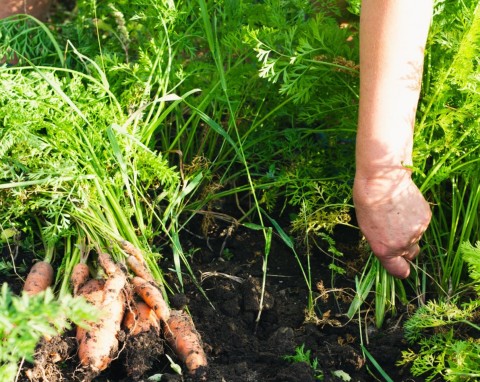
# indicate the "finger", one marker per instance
pixel 397 266
pixel 412 252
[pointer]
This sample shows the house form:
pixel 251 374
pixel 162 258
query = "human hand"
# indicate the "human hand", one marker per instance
pixel 392 215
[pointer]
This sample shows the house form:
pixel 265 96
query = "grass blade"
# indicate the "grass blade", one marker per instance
pixel 376 364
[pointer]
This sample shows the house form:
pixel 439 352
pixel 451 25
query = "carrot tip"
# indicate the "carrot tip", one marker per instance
pixel 180 332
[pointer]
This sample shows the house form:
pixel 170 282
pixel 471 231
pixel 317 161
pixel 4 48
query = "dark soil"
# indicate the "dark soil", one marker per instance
pixel 243 345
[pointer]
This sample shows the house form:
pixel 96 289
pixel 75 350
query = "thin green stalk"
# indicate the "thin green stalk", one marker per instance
pixel 375 363
pixel 429 182
pixel 215 49
pixel 268 242
pixel 363 286
pixel 307 276
pixel 72 255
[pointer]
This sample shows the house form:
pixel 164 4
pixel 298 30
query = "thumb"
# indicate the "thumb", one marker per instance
pixel 397 266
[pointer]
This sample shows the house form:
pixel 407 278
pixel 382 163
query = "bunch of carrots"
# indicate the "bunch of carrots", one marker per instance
pixel 133 303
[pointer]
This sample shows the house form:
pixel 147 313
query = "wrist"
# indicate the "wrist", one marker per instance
pixel 381 184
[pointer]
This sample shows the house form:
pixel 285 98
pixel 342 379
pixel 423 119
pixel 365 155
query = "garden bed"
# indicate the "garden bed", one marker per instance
pixel 238 349
pixel 107 136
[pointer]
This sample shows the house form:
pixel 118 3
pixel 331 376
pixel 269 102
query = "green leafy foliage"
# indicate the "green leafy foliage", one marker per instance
pixel 447 333
pixel 471 255
pixel 354 6
pixel 59 134
pixel 24 39
pixel 444 350
pixel 310 58
pixel 387 290
pixel 272 130
pixel 313 61
pixel 302 355
pixel 24 320
pixel 447 138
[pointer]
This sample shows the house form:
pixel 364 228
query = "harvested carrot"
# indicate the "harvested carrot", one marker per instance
pixel 139 268
pixel 152 297
pixel 107 263
pixel 130 249
pixel 116 278
pixel 99 344
pixel 92 289
pixel 185 341
pixel 141 318
pixel 93 292
pixel 80 275
pixel 39 278
pixel 113 286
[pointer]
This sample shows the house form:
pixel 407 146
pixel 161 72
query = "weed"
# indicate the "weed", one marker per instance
pixel 302 355
pixel 377 367
pixel 227 254
pixel 387 290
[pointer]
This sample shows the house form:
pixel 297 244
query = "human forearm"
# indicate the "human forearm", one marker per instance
pixel 392 42
pixel 391 211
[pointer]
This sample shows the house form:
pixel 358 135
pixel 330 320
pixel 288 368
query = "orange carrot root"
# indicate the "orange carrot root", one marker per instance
pixel 107 263
pixel 114 285
pixel 92 289
pixel 93 292
pixel 80 275
pixel 152 297
pixel 99 344
pixel 139 268
pixel 130 249
pixel 39 278
pixel 184 339
pixel 116 278
pixel 141 318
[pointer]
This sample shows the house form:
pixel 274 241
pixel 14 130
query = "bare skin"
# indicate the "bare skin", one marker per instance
pixel 36 8
pixel 391 211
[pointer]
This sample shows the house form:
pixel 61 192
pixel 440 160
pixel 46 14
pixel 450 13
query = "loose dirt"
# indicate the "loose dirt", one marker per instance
pixel 243 345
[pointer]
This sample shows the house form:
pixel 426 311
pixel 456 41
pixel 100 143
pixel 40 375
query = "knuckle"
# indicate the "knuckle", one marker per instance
pixel 381 251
